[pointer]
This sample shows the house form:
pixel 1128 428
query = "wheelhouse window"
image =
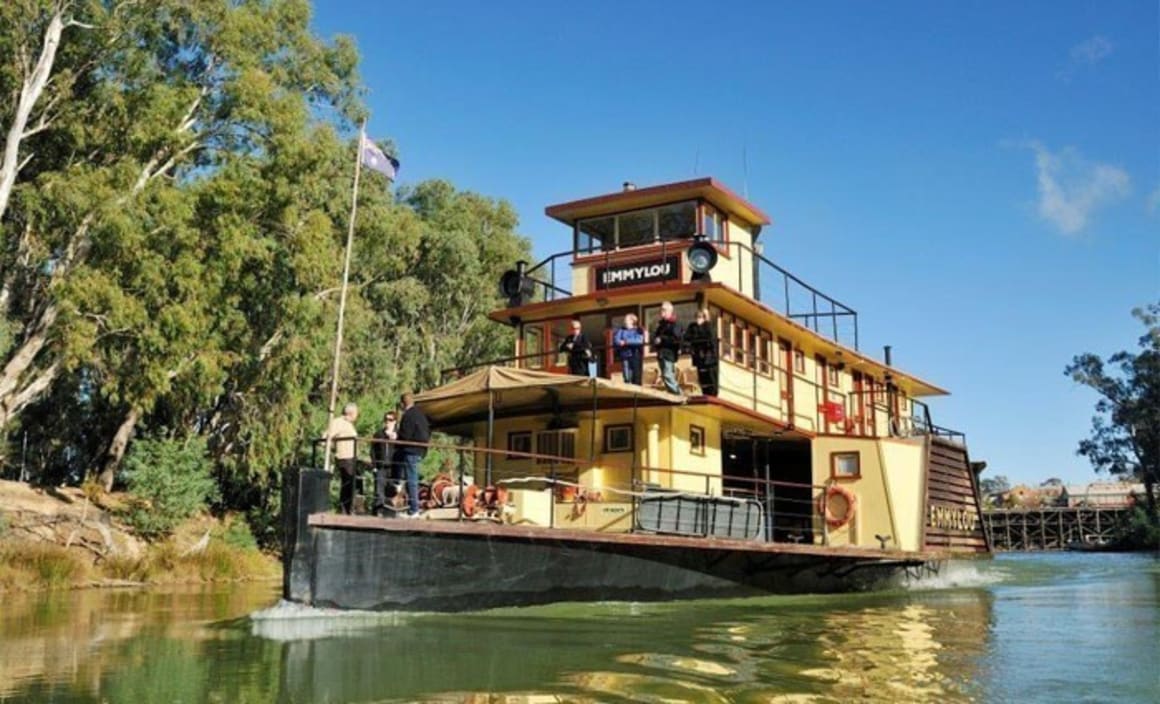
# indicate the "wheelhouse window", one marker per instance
pixel 712 224
pixel 636 228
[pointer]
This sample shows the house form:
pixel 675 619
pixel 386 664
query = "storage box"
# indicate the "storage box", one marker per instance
pixel 530 507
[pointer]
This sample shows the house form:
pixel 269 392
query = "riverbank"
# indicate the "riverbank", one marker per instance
pixel 65 538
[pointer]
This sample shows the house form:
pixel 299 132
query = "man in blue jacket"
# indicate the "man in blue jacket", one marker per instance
pixel 629 343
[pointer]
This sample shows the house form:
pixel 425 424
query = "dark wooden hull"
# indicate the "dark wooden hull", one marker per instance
pixel 363 562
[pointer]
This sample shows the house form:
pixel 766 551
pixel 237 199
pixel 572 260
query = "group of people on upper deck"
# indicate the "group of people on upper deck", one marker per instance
pixel 668 340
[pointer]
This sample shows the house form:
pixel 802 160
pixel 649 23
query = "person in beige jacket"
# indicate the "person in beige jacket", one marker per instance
pixel 341 435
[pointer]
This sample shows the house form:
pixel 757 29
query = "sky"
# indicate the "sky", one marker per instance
pixel 979 180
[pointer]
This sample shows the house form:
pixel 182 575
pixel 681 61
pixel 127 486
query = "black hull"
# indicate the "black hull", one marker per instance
pixel 361 562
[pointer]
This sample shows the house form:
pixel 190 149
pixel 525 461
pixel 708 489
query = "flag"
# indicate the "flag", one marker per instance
pixel 373 158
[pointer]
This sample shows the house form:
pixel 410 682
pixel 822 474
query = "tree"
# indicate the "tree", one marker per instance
pixel 1125 437
pixel 1053 481
pixel 995 485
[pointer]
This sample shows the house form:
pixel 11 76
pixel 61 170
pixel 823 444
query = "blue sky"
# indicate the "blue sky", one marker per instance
pixel 980 181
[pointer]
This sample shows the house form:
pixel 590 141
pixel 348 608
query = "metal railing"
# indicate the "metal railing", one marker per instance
pixel 791 512
pixel 772 284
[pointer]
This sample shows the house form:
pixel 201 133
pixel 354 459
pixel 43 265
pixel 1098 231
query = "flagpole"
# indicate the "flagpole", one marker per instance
pixel 342 295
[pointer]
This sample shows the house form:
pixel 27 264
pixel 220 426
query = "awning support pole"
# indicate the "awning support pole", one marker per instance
pixel 490 434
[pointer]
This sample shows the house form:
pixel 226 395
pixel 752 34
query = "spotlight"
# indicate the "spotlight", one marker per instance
pixel 702 257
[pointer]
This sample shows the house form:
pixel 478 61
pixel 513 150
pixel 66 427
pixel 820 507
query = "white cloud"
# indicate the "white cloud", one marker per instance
pixel 1072 188
pixel 1089 52
pixel 1092 51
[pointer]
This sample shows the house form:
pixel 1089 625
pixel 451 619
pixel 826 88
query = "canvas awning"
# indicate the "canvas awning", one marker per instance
pixel 514 390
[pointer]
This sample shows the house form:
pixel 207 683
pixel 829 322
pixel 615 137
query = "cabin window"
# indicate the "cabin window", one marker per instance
pixel 636 228
pixel 697 440
pixel 739 344
pixel 833 372
pixel 763 342
pixel 799 361
pixel 519 442
pixel 712 224
pixel 595 235
pixel 555 443
pixel 618 438
pixel 677 221
pixel 845 465
pixel 533 347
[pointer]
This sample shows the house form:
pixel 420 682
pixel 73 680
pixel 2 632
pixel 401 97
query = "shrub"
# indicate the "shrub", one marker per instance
pixel 237 534
pixel 168 481
pixel 39 565
pixel 1142 532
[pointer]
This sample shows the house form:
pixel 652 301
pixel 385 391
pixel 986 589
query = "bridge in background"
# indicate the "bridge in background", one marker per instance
pixel 1054 527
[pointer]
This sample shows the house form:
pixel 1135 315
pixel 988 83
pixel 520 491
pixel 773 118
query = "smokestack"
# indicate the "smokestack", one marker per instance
pixel 886 351
pixel 629 186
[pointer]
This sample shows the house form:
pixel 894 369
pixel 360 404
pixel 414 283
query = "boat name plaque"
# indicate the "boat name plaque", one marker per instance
pixel 952 517
pixel 637 273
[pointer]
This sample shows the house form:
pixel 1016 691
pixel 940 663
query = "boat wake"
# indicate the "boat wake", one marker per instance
pixel 960 574
pixel 287 621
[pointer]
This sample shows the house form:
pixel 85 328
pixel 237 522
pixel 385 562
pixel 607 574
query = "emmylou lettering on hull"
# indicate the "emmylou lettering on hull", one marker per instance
pixel 637 273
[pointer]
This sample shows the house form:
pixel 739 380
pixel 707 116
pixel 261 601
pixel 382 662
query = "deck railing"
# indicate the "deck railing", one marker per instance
pixel 791 512
pixel 857 418
pixel 773 285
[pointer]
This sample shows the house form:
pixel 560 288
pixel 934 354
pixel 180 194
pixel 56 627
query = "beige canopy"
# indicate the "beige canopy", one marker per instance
pixel 511 389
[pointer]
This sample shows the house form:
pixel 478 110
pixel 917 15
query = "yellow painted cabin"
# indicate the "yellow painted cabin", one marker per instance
pixel 801 417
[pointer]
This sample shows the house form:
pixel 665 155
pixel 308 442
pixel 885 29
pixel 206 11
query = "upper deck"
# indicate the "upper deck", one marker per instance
pixel 787 351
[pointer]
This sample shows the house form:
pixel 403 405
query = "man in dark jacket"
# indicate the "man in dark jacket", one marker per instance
pixel 579 350
pixel 413 427
pixel 702 344
pixel 666 342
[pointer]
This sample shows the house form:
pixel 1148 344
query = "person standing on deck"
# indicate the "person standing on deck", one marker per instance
pixel 702 344
pixel 629 343
pixel 579 350
pixel 667 344
pixel 341 433
pixel 413 427
pixel 381 452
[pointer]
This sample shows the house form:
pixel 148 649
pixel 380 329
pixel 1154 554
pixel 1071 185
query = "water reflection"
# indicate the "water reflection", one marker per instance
pixel 141 646
pixel 952 645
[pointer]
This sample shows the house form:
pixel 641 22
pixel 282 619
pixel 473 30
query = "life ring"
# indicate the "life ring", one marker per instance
pixel 826 505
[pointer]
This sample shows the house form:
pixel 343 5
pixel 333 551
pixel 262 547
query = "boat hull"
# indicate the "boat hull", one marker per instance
pixel 363 562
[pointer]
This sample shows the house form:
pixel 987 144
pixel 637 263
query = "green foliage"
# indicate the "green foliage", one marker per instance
pixel 169 481
pixel 1125 438
pixel 174 245
pixel 1142 531
pixel 236 534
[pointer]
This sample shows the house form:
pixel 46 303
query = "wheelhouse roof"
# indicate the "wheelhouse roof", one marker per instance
pixel 709 189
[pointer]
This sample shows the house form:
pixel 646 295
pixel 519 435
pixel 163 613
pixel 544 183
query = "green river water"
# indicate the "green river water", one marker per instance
pixel 1055 628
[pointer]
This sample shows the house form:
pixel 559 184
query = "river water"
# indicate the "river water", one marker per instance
pixel 1055 628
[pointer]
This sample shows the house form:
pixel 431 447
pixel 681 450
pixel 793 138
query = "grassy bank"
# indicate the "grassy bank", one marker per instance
pixel 26 565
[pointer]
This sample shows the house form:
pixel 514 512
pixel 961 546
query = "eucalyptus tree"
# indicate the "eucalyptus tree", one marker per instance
pixel 124 116
pixel 1125 435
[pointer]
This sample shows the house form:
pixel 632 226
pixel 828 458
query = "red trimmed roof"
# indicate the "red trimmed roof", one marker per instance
pixel 710 189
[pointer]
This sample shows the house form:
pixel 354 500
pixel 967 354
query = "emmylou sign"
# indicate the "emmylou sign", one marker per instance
pixel 637 273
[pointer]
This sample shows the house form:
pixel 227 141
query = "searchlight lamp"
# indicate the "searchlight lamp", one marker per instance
pixel 702 257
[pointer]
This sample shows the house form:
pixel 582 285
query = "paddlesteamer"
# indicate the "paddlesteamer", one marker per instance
pixel 815 467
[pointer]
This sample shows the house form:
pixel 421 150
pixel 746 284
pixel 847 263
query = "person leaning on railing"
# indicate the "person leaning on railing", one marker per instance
pixel 381 452
pixel 629 342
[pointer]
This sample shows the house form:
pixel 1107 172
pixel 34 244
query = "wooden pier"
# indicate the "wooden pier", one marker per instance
pixel 1054 527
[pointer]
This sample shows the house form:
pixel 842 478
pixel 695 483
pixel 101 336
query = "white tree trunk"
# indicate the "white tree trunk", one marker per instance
pixel 30 93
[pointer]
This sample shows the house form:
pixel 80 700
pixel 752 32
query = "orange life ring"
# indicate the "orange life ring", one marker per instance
pixel 826 505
